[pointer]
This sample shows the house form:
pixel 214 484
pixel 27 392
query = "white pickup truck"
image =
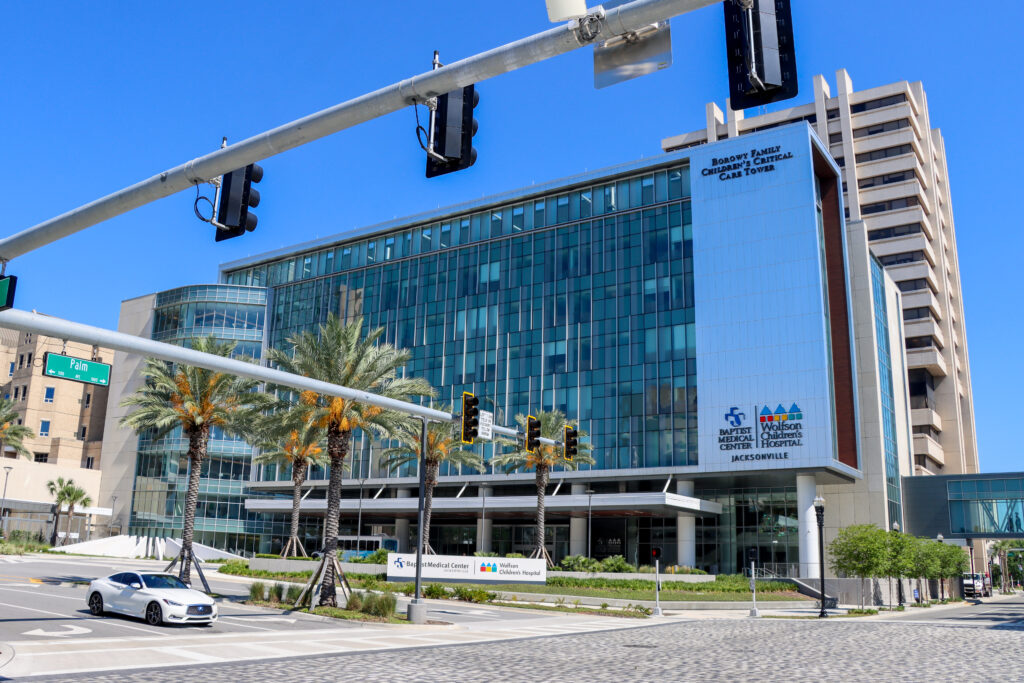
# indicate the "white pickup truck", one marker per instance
pixel 977 585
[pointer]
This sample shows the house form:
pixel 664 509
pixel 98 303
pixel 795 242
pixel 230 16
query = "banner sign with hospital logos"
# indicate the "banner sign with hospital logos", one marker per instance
pixel 770 434
pixel 454 568
pixel 762 322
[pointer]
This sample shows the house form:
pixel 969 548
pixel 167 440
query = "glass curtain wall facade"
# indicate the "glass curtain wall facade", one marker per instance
pixel 229 313
pixel 889 432
pixel 578 300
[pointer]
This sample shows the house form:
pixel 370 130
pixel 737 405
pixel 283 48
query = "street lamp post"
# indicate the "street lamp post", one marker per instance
pixel 590 511
pixel 3 500
pixel 942 582
pixel 113 508
pixel 899 579
pixel 970 549
pixel 417 611
pixel 819 509
pixel 359 519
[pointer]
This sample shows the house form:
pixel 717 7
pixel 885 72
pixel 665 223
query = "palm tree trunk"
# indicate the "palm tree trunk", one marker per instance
pixel 542 485
pixel 298 476
pixel 428 502
pixel 71 518
pixel 56 526
pixel 337 449
pixel 197 441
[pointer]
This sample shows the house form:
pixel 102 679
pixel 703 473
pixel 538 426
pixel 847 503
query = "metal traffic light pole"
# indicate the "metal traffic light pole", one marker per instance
pixel 622 20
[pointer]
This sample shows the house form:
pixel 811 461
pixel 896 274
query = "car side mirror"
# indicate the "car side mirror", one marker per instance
pixel 136 586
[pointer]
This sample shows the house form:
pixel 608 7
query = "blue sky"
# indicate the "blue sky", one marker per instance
pixel 97 96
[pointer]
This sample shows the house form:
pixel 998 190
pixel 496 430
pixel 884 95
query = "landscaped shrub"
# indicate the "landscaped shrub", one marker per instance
pixel 293 593
pixel 616 564
pixel 258 591
pixel 435 591
pixel 370 582
pixel 355 601
pixel 480 553
pixel 380 605
pixel 276 592
pixel 378 556
pixel 474 594
pixel 580 563
pixel 406 588
pixel 517 556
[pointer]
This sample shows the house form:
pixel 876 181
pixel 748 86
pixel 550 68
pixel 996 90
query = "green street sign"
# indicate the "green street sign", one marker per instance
pixel 76 369
pixel 7 285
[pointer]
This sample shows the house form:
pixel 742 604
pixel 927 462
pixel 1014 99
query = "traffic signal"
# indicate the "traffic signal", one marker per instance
pixel 532 434
pixel 470 417
pixel 570 443
pixel 760 52
pixel 237 196
pixel 454 128
pixel 655 553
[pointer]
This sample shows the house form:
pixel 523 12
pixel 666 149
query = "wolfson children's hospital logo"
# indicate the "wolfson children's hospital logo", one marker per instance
pixel 764 438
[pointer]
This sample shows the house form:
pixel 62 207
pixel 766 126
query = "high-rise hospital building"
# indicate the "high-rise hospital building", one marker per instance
pixel 736 331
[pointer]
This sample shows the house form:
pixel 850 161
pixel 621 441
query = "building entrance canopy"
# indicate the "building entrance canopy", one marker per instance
pixel 639 504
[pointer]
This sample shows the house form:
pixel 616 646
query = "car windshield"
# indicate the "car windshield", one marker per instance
pixel 162 581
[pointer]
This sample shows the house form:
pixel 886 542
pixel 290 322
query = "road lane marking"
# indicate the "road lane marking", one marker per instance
pixel 188 654
pixel 259 628
pixel 74 631
pixel 65 616
pixel 36 593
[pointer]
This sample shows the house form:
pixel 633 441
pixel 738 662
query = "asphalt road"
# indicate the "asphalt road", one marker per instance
pixel 999 611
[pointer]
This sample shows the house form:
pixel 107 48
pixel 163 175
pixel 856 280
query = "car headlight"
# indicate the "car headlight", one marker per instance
pixel 172 603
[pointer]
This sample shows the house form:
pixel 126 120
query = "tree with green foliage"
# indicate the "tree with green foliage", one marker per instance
pixel 926 561
pixel 12 433
pixel 287 440
pixel 60 489
pixel 198 401
pixel 953 561
pixel 444 444
pixel 861 551
pixel 542 461
pixel 999 550
pixel 339 353
pixel 899 558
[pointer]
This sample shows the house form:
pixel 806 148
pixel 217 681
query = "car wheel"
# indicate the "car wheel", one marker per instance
pixel 154 615
pixel 96 604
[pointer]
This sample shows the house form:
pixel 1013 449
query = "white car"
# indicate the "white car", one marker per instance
pixel 155 597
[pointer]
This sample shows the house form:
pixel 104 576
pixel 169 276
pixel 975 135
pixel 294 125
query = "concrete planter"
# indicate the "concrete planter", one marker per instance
pixel 665 578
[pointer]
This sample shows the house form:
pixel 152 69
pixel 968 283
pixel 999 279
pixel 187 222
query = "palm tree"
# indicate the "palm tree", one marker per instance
pixel 552 426
pixel 444 444
pixel 339 354
pixel 1000 549
pixel 60 489
pixel 75 495
pixel 290 441
pixel 11 433
pixel 198 401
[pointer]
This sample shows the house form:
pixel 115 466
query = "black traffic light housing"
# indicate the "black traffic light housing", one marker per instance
pixel 454 128
pixel 655 553
pixel 760 52
pixel 570 443
pixel 470 417
pixel 237 196
pixel 532 434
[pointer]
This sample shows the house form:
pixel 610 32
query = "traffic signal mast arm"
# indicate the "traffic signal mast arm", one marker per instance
pixel 620 20
pixel 119 341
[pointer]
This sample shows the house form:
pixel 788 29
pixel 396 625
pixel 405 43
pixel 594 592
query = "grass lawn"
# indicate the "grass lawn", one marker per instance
pixel 633 594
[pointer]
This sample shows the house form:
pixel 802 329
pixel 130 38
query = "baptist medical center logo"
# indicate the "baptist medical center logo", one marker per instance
pixel 399 563
pixel 773 429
